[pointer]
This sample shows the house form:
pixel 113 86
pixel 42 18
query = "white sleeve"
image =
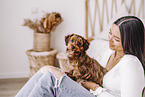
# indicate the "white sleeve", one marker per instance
pixel 102 92
pixel 132 79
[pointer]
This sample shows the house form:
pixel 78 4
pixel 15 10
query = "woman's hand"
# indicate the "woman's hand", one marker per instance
pixel 90 85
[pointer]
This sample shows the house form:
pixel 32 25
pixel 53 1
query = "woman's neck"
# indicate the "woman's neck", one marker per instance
pixel 119 54
pixel 114 59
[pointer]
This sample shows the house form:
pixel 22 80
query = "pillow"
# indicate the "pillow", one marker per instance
pixel 143 20
pixel 97 48
pixel 122 11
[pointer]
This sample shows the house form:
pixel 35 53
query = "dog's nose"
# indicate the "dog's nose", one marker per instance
pixel 73 47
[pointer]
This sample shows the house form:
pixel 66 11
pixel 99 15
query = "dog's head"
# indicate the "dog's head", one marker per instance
pixel 76 45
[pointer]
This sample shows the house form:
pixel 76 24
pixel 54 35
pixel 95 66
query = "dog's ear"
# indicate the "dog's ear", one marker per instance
pixel 67 38
pixel 86 44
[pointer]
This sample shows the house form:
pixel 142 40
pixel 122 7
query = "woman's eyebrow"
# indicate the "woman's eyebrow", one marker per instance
pixel 117 37
pixel 114 35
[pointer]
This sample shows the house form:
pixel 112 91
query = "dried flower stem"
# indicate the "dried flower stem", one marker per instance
pixel 47 24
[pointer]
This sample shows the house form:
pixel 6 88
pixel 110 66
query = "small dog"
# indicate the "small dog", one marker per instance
pixel 85 67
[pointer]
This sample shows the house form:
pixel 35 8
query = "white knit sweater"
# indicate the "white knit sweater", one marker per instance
pixel 125 79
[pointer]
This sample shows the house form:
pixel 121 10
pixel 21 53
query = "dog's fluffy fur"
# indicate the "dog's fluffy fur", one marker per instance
pixel 84 66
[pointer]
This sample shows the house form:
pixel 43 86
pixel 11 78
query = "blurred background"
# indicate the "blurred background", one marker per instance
pixel 16 39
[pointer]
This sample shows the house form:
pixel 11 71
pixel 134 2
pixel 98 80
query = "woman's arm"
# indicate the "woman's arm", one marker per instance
pixel 95 89
pixel 132 79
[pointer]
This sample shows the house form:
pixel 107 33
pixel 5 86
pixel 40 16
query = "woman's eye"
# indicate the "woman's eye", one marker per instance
pixel 117 40
pixel 72 40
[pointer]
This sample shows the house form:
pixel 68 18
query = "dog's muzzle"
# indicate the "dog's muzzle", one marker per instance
pixel 73 54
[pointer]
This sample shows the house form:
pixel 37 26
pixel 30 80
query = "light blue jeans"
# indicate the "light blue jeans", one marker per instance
pixel 47 85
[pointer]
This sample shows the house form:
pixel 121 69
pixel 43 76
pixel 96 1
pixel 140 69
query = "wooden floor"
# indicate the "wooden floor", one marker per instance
pixel 10 87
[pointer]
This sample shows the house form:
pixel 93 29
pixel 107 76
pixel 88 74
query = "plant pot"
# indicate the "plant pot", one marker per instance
pixel 38 60
pixel 63 62
pixel 41 42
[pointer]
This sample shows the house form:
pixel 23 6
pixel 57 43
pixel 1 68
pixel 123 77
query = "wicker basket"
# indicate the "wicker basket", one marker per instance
pixel 63 62
pixel 40 59
pixel 41 42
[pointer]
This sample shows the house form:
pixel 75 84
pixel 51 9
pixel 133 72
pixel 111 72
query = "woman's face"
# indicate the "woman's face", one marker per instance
pixel 115 39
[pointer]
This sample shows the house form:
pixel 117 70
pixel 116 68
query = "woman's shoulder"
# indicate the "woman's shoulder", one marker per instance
pixel 131 62
pixel 132 73
pixel 130 58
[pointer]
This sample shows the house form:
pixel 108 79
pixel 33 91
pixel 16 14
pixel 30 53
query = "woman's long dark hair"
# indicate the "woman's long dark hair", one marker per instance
pixel 132 36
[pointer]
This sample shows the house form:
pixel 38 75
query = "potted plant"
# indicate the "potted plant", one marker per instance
pixel 42 29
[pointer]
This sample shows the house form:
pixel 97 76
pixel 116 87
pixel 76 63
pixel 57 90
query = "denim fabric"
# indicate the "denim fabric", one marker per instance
pixel 49 86
pixel 25 91
pixel 70 88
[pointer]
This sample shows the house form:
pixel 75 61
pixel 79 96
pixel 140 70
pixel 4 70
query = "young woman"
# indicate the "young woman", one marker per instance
pixel 124 62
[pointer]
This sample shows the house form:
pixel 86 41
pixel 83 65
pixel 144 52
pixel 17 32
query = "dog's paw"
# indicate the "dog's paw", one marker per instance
pixel 70 74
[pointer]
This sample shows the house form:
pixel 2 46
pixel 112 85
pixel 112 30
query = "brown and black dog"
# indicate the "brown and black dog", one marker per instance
pixel 85 67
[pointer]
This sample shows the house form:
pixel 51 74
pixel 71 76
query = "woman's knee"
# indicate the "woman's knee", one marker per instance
pixel 57 73
pixel 47 68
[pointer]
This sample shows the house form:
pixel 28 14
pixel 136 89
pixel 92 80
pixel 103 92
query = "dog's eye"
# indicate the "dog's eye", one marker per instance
pixel 78 43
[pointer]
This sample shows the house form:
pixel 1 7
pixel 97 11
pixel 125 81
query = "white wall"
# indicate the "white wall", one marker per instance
pixel 16 39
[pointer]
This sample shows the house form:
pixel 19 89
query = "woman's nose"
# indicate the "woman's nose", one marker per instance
pixel 110 38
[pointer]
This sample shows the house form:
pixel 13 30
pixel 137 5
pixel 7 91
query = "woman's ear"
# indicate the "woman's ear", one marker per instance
pixel 86 44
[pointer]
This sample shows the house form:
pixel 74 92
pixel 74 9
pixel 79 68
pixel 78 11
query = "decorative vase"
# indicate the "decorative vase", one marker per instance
pixel 41 42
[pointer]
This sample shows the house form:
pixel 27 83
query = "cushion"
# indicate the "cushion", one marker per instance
pixel 143 20
pixel 97 48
